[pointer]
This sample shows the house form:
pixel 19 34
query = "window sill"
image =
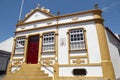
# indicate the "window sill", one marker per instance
pixel 77 50
pixel 48 52
pixel 19 48
pixel 19 53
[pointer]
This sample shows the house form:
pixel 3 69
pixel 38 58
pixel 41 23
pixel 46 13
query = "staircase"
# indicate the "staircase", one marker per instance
pixel 28 72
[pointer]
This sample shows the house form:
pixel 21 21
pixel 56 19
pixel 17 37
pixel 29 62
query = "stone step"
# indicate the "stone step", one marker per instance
pixel 30 70
pixel 27 78
pixel 30 65
pixel 28 74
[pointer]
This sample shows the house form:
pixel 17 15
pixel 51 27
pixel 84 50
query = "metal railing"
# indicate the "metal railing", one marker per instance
pixel 16 67
pixel 45 66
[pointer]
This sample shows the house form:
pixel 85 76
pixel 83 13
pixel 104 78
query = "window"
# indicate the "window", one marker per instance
pixel 20 42
pixel 77 39
pixel 48 42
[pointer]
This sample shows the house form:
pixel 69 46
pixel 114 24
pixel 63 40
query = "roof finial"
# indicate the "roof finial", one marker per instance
pixel 96 6
pixel 38 5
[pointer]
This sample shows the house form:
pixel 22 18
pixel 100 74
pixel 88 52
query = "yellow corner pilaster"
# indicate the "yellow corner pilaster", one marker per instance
pixel 56 71
pixel 107 66
pixel 56 45
pixel 40 49
pixel 86 45
pixel 68 36
pixel 25 49
pixel 97 14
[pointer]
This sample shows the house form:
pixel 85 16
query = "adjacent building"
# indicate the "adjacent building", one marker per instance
pixel 64 47
pixel 5 52
pixel 4 59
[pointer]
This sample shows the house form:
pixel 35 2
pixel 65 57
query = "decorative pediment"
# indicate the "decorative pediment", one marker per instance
pixel 36 14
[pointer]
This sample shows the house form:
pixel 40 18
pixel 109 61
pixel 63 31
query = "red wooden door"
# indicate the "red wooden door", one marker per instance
pixel 32 52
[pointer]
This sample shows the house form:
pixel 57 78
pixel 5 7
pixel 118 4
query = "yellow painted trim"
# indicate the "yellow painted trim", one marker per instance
pixel 59 25
pixel 86 45
pixel 78 50
pixel 78 61
pixel 56 64
pixel 68 37
pixel 19 36
pixel 61 16
pixel 78 65
pixel 107 67
pixel 52 58
pixel 17 59
pixel 25 49
pixel 33 35
pixel 53 31
pixel 56 69
pixel 40 48
pixel 56 46
pixel 75 57
pixel 48 52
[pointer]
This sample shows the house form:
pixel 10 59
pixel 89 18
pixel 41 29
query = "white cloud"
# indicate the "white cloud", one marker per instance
pixel 110 6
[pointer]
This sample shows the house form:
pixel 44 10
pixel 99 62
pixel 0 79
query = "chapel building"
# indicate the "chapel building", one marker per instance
pixel 73 46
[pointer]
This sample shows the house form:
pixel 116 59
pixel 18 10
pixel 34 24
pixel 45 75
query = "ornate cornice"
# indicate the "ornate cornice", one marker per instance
pixel 61 16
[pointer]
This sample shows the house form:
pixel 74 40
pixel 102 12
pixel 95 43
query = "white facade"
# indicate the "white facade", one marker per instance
pixel 88 57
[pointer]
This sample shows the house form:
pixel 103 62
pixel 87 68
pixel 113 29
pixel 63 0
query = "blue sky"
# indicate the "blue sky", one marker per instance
pixel 9 12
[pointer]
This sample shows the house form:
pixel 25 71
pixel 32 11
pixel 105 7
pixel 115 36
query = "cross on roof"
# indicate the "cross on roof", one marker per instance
pixel 58 13
pixel 38 5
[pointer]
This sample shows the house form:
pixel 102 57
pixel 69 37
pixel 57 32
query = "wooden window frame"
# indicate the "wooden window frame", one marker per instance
pixel 48 51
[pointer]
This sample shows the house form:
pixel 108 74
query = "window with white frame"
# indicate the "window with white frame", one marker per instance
pixel 77 41
pixel 20 42
pixel 48 42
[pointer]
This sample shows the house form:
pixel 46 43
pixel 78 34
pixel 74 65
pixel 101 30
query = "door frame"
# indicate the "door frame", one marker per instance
pixel 28 46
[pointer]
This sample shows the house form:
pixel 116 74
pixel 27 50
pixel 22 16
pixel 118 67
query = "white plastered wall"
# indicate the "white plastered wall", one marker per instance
pixel 93 45
pixel 114 53
pixel 39 31
pixel 67 71
pixel 37 16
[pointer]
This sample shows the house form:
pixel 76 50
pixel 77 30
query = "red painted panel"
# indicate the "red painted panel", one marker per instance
pixel 32 52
